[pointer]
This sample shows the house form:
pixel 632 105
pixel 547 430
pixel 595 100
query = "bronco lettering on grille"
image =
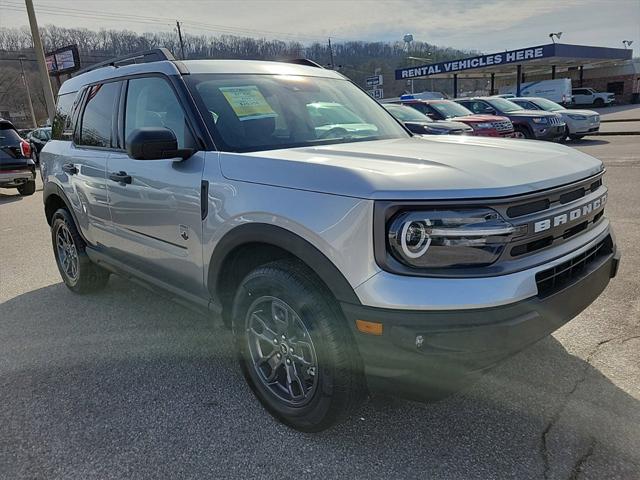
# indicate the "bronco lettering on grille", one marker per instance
pixel 570 216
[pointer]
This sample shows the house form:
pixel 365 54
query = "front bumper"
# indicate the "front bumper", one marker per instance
pixel 426 355
pixel 549 132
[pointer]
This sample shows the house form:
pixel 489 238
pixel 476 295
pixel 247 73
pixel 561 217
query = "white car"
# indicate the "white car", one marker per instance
pixel 588 96
pixel 579 122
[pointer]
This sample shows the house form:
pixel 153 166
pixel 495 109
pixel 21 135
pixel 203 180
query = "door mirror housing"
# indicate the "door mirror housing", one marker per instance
pixel 155 143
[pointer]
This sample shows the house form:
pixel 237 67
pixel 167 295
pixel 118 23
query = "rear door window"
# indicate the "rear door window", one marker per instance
pixel 98 118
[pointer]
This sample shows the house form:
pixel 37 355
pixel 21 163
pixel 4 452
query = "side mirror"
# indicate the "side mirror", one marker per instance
pixel 155 143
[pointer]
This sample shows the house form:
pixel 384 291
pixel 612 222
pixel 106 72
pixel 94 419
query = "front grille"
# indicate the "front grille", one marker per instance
pixel 555 279
pixel 556 121
pixel 503 126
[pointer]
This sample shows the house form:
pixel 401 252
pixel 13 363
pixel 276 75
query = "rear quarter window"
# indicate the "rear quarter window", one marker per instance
pixel 62 128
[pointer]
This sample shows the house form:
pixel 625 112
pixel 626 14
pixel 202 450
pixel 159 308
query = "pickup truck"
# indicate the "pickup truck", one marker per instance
pixel 588 96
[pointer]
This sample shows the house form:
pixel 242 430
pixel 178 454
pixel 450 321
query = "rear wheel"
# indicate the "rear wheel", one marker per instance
pixel 79 274
pixel 295 349
pixel 27 188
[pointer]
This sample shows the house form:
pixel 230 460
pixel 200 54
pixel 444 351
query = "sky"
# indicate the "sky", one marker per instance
pixel 483 25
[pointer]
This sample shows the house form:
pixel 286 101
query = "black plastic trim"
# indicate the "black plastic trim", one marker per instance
pixel 288 241
pixel 204 199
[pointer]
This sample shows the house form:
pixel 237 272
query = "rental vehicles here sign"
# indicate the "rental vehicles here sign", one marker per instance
pixel 502 58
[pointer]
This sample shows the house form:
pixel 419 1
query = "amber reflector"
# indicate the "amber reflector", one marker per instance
pixel 372 328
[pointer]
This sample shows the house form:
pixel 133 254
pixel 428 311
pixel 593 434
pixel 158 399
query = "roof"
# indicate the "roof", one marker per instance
pixel 534 59
pixel 168 67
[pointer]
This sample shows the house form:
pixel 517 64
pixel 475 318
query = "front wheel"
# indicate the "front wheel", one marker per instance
pixel 521 132
pixel 599 102
pixel 576 137
pixel 295 349
pixel 79 274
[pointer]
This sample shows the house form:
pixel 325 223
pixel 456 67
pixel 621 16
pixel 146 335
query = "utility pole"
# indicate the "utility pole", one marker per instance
pixel 42 66
pixel 26 85
pixel 331 54
pixel 180 37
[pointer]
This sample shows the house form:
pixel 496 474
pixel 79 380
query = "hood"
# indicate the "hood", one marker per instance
pixel 479 118
pixel 586 113
pixel 435 167
pixel 443 124
pixel 532 113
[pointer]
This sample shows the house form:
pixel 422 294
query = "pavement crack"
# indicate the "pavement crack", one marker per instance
pixel 544 450
pixel 577 467
pixel 624 340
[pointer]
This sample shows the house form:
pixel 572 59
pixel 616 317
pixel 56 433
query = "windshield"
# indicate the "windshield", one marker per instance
pixel 504 105
pixel 406 114
pixel 262 112
pixel 547 105
pixel 450 109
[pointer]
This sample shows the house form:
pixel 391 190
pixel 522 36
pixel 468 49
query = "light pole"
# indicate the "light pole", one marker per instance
pixel 556 35
pixel 408 38
pixel 26 85
pixel 424 60
pixel 42 66
pixel 627 43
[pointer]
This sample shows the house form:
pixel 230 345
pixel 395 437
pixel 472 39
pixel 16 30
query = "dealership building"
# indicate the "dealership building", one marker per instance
pixel 602 68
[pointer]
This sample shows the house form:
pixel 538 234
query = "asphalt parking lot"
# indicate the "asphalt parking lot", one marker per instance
pixel 125 384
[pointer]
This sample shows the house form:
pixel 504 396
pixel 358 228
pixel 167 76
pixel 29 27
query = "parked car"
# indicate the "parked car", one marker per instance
pixel 533 124
pixel 588 96
pixel 482 125
pixel 362 261
pixel 579 122
pixel 38 138
pixel 422 124
pixel 17 169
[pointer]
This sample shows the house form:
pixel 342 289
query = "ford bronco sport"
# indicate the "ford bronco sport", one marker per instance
pixel 346 260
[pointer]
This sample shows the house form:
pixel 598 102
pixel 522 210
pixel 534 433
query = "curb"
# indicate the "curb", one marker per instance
pixel 609 134
pixel 620 120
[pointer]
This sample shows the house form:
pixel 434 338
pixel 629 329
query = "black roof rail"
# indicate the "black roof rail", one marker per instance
pixel 155 55
pixel 304 61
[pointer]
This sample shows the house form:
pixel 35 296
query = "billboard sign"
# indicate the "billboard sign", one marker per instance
pixel 63 60
pixel 502 58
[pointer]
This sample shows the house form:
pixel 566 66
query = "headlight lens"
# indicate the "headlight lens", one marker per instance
pixel 448 238
pixel 540 120
pixel 577 117
pixel 484 125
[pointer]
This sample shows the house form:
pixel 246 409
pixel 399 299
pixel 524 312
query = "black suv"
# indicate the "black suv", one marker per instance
pixel 17 169
pixel 533 124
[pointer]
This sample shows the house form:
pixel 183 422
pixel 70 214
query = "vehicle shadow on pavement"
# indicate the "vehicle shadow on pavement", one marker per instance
pixel 586 142
pixel 8 198
pixel 125 384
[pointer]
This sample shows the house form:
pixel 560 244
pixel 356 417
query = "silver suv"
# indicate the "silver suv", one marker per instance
pixel 346 255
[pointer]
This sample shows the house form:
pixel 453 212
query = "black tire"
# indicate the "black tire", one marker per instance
pixel 598 102
pixel 27 188
pixel 576 137
pixel 336 387
pixel 86 276
pixel 523 132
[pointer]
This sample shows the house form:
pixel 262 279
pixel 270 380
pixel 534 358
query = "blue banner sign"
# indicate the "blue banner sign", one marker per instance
pixel 502 58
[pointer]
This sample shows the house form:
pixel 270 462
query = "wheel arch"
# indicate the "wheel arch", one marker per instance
pixel 54 198
pixel 250 245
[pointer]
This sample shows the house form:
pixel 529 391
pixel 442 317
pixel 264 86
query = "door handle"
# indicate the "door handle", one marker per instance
pixel 70 168
pixel 120 177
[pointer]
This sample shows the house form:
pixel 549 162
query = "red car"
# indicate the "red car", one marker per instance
pixel 483 125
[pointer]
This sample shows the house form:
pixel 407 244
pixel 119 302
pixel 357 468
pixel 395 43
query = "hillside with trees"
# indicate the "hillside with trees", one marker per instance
pixel 357 60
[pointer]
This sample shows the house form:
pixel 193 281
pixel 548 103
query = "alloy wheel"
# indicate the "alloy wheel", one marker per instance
pixel 67 253
pixel 281 350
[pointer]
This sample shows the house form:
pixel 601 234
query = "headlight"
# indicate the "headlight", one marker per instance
pixel 577 117
pixel 448 238
pixel 483 125
pixel 540 120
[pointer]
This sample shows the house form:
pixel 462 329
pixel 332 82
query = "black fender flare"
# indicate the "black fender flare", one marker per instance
pixel 50 189
pixel 291 243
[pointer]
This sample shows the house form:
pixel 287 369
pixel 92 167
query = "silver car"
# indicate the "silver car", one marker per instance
pixel 347 255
